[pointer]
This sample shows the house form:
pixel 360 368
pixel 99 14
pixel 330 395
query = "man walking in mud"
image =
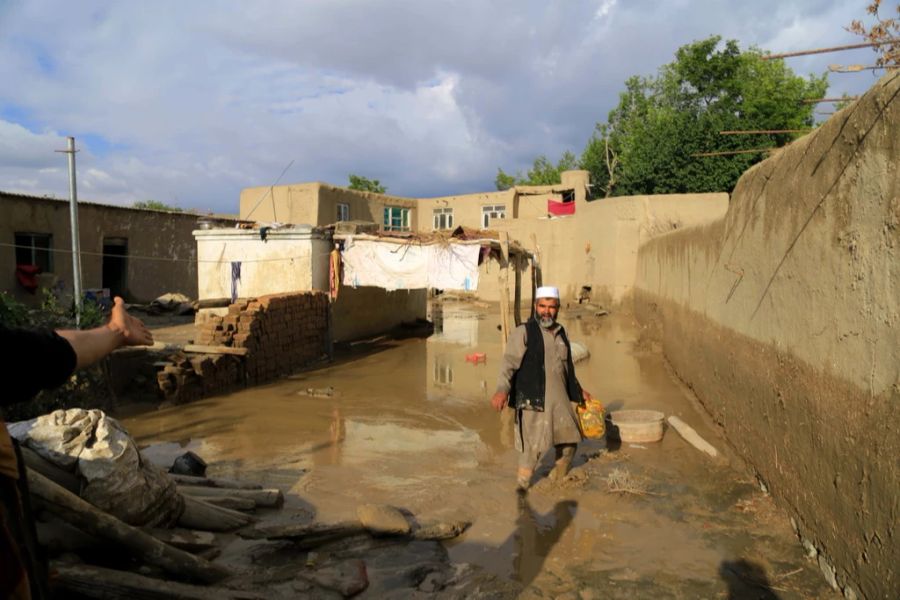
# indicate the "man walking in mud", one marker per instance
pixel 537 380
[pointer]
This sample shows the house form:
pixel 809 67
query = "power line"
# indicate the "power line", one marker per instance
pixel 831 49
pixel 158 258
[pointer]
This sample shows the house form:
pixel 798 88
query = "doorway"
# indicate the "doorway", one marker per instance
pixel 115 265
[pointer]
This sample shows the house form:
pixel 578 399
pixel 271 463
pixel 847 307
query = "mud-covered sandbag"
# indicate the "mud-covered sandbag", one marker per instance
pixel 114 477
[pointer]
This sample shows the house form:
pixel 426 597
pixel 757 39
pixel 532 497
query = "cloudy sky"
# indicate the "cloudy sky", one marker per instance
pixel 188 102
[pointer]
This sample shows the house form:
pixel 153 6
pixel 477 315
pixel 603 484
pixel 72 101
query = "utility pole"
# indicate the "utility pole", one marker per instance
pixel 76 238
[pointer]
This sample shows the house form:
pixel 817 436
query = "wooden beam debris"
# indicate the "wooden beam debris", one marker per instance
pixel 692 437
pixel 98 582
pixel 271 498
pixel 217 483
pixel 88 518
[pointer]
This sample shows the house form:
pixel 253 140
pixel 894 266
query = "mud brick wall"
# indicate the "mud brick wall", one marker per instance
pixel 784 318
pixel 281 332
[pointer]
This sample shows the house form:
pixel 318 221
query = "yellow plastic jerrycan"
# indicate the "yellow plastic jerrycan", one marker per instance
pixel 590 419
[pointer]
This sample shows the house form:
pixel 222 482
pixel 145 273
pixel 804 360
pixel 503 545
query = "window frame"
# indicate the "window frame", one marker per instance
pixel 343 211
pixel 442 218
pixel 388 219
pixel 22 245
pixel 490 212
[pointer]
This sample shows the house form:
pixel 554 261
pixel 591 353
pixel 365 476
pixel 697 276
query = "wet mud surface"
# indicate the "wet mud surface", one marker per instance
pixel 408 423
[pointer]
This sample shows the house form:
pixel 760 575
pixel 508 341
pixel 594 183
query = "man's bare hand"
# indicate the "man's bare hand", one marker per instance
pixel 585 395
pixel 132 329
pixel 499 400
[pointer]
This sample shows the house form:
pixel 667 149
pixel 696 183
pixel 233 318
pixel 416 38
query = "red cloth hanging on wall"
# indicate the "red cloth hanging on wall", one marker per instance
pixel 27 276
pixel 560 208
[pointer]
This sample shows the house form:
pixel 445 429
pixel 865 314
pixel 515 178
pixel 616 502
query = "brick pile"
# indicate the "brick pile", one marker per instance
pixel 188 377
pixel 281 332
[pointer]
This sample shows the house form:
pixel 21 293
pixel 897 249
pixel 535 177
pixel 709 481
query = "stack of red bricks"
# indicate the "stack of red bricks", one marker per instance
pixel 282 333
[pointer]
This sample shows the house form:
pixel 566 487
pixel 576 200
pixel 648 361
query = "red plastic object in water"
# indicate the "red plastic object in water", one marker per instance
pixel 476 357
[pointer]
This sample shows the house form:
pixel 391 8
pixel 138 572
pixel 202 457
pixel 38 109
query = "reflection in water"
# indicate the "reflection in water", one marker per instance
pixel 536 535
pixel 455 325
pixel 443 372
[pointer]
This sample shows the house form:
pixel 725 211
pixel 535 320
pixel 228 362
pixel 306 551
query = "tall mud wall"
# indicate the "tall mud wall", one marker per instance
pixel 784 318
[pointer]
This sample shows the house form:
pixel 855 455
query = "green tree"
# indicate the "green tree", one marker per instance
pixel 542 172
pixel 364 184
pixel 155 205
pixel 660 121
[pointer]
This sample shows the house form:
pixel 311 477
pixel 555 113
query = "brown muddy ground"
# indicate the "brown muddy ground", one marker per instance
pixel 409 424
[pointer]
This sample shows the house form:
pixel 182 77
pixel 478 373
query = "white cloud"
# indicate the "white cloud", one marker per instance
pixel 181 103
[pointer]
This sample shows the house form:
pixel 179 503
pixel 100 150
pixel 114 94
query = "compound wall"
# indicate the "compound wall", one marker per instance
pixel 784 317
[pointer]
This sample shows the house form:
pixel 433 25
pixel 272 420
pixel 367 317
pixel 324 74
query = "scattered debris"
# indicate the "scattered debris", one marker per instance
pixel 691 436
pixel 621 481
pixel 476 357
pixel 327 392
pixel 189 464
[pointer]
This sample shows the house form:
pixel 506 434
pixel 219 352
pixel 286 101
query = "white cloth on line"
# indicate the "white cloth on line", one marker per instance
pixel 407 266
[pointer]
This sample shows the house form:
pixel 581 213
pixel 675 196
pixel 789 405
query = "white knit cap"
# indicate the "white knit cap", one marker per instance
pixel 547 291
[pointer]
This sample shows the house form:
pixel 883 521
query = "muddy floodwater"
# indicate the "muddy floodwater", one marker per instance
pixel 408 423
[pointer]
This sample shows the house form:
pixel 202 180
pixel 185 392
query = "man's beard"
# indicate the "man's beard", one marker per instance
pixel 546 322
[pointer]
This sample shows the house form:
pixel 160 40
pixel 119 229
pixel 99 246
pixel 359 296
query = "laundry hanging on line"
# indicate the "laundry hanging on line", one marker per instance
pixel 407 266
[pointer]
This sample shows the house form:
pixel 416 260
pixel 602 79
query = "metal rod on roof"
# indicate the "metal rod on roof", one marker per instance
pixel 818 100
pixel 764 131
pixel 858 68
pixel 728 152
pixel 831 49
pixel 76 238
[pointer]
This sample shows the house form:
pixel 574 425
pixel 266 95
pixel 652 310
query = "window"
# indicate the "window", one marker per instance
pixel 396 218
pixel 443 218
pixel 343 211
pixel 497 211
pixel 34 249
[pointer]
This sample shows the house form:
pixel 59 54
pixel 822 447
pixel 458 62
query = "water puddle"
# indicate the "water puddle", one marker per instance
pixel 408 423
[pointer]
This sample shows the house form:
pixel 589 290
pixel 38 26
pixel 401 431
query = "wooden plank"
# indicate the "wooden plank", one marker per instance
pixel 504 289
pixel 214 482
pixel 203 515
pixel 89 518
pixel 692 437
pixel 98 582
pixel 517 293
pixel 270 498
pixel 188 540
pixel 232 502
pixel 58 475
pixel 197 348
pixel 538 273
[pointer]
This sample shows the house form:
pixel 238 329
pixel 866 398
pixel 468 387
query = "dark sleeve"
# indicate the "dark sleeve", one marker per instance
pixel 33 360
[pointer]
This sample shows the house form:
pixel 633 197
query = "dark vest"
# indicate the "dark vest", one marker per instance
pixel 529 383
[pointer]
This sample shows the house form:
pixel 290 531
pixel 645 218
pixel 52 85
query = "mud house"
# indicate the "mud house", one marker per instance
pixel 139 254
pixel 587 247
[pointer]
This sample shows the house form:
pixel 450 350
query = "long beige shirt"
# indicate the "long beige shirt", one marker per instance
pixel 538 431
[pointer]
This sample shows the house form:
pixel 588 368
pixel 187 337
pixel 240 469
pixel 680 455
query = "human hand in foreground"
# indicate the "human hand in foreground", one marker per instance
pixel 132 329
pixel 499 400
